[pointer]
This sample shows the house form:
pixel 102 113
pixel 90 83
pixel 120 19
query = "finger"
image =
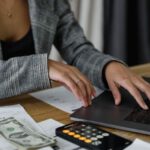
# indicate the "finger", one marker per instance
pixel 128 85
pixel 74 88
pixel 84 84
pixel 143 86
pixel 77 97
pixel 81 86
pixel 89 87
pixel 71 83
pixel 116 94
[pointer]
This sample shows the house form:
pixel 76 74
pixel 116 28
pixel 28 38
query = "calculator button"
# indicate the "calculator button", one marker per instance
pixel 89 127
pixel 83 129
pixel 94 138
pixel 105 134
pixel 88 136
pixel 71 133
pixel 88 131
pixel 82 138
pixel 99 136
pixel 77 131
pixel 71 129
pixel 66 131
pixel 76 136
pixel 83 125
pixel 87 141
pixel 96 143
pixel 94 130
pixel 94 134
pixel 83 133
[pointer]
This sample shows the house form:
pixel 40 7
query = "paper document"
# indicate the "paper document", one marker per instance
pixel 16 122
pixel 139 145
pixel 61 98
pixel 18 112
pixel 5 145
pixel 49 126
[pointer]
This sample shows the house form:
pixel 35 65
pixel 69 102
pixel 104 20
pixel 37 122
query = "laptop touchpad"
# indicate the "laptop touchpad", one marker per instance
pixel 139 115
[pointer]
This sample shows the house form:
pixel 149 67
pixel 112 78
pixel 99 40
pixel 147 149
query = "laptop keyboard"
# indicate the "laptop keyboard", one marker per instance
pixel 139 115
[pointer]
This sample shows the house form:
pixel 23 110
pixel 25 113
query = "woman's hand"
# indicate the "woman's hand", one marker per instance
pixel 73 79
pixel 119 75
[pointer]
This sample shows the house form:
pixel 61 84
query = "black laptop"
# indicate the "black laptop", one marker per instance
pixel 127 116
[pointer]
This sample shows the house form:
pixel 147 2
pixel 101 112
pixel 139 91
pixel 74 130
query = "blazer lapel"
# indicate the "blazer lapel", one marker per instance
pixel 43 23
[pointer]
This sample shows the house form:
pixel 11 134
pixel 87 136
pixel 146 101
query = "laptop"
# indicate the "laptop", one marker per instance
pixel 127 116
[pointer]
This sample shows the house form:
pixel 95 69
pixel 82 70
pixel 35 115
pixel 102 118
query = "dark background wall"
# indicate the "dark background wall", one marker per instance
pixel 127 30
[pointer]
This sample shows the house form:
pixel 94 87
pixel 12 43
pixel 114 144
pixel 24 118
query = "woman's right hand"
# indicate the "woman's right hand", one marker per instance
pixel 73 79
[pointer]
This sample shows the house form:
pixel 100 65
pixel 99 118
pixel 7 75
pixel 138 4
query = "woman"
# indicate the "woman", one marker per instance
pixel 27 31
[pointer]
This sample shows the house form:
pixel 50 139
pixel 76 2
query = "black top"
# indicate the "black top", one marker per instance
pixel 22 47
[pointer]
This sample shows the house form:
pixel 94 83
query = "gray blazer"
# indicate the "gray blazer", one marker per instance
pixel 52 22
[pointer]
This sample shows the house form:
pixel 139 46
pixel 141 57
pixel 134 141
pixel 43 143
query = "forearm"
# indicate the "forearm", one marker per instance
pixel 23 74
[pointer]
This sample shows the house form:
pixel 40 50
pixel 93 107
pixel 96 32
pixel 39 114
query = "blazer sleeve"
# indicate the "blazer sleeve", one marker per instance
pixel 23 74
pixel 76 49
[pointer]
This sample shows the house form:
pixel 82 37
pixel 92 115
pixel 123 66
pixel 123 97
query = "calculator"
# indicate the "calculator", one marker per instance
pixel 91 137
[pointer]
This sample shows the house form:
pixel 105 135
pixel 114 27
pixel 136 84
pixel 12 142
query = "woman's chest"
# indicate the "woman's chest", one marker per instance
pixel 14 23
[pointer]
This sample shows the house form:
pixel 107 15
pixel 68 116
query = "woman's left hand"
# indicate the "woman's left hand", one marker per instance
pixel 118 75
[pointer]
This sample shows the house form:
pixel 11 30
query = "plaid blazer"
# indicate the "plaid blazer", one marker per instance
pixel 52 22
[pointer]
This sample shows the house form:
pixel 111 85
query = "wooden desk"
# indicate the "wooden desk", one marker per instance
pixel 41 111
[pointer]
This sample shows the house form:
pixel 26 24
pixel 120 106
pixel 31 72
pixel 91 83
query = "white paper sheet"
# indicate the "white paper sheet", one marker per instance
pixel 18 112
pixel 61 98
pixel 49 126
pixel 5 145
pixel 139 145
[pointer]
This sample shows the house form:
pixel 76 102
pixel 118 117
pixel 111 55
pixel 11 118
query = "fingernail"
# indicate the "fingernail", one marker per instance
pixel 84 103
pixel 90 102
pixel 116 100
pixel 94 93
pixel 146 107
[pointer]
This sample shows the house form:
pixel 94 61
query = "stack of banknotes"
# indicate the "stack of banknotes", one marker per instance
pixel 22 137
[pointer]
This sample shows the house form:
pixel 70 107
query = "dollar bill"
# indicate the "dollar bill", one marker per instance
pixel 23 136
